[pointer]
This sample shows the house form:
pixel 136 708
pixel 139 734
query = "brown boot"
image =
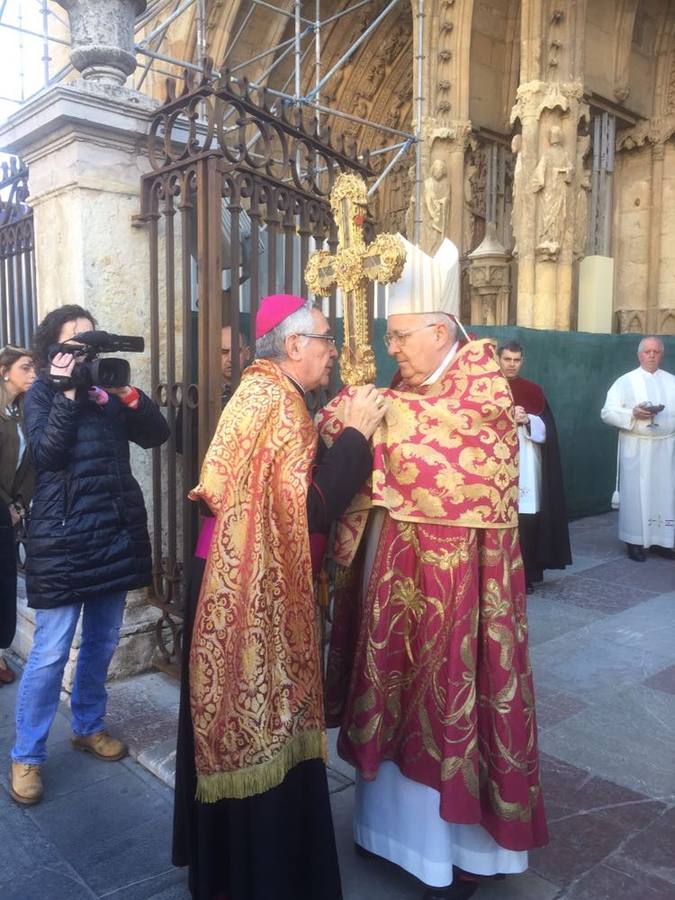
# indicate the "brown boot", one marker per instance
pixel 7 675
pixel 101 745
pixel 25 783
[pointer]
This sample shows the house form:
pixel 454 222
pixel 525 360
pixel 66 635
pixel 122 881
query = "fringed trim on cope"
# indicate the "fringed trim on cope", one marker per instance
pixel 254 780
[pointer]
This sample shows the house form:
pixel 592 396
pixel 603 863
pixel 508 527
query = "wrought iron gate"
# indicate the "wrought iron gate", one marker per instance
pixel 235 202
pixel 17 260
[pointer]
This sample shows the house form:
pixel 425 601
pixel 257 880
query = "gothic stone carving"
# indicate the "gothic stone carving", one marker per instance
pixel 437 201
pixel 551 180
pixel 631 321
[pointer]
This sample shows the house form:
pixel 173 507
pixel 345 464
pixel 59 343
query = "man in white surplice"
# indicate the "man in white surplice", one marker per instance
pixel 646 452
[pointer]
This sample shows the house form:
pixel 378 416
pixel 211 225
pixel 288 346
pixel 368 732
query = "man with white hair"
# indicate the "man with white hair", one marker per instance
pixel 439 711
pixel 252 816
pixel 641 404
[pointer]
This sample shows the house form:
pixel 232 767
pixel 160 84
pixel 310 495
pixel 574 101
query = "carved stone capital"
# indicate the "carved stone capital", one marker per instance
pixel 457 131
pixel 102 37
pixel 648 131
pixel 533 97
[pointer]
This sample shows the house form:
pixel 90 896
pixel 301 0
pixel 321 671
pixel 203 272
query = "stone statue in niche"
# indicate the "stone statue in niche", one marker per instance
pixel 583 189
pixel 551 181
pixel 411 211
pixel 470 172
pixel 436 204
pixel 518 188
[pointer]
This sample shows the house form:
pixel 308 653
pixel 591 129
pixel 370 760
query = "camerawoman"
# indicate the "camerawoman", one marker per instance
pixel 88 541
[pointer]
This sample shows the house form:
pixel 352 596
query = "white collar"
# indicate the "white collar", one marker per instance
pixel 439 371
pixel 294 380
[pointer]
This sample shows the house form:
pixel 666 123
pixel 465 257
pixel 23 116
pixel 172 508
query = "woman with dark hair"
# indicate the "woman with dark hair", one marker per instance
pixel 87 542
pixel 17 373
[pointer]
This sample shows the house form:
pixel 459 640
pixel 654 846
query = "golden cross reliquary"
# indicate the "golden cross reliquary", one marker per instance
pixel 350 269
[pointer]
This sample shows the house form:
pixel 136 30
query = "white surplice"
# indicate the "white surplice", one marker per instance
pixel 529 467
pixel 399 819
pixel 646 457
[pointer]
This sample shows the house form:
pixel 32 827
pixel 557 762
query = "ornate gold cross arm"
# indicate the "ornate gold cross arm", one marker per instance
pixel 350 269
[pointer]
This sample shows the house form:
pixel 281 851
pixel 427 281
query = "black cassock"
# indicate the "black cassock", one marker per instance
pixel 279 845
pixel 544 537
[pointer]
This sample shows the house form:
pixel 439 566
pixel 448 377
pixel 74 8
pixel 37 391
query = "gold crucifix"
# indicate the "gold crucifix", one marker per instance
pixel 350 269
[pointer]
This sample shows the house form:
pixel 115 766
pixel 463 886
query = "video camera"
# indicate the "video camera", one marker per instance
pixel 88 370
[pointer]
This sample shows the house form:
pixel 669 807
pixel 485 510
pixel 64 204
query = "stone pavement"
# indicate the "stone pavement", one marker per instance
pixel 603 651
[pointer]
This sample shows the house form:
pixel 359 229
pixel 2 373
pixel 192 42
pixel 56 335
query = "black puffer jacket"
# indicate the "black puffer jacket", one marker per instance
pixel 88 530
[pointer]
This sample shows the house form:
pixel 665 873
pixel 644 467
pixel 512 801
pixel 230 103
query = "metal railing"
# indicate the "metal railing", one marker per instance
pixel 17 259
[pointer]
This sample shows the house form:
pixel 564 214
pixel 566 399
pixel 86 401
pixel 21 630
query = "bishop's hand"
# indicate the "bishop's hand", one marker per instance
pixel 364 409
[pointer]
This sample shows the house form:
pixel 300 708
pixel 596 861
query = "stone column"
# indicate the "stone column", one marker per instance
pixel 645 297
pixel 445 125
pixel 548 197
pixel 655 228
pixel 85 147
pixel 489 280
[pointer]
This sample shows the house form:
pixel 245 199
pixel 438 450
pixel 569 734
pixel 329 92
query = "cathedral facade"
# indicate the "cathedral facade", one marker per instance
pixel 545 126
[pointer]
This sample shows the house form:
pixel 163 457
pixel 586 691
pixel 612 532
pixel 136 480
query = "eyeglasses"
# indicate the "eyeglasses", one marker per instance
pixel 322 337
pixel 400 337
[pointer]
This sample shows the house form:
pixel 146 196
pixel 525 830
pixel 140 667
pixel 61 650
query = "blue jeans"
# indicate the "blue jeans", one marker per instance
pixel 40 687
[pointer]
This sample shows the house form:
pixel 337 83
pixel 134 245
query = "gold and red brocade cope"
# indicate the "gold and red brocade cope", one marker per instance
pixel 255 676
pixel 446 453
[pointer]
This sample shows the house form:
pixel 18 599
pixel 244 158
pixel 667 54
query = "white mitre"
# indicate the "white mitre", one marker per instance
pixel 428 284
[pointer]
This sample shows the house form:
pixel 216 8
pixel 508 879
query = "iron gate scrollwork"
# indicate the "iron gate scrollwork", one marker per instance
pixel 17 260
pixel 236 201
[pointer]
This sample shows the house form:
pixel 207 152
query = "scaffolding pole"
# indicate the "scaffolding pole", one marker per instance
pixel 243 25
pixel 296 50
pixel 201 29
pixel 390 165
pixel 317 62
pixel 357 43
pixel 161 33
pixel 419 114
pixel 345 12
pixel 282 12
pixel 21 30
pixel 46 58
pixel 161 28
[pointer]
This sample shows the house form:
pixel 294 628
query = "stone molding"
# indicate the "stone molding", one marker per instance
pixel 120 113
pixel 631 321
pixel 649 131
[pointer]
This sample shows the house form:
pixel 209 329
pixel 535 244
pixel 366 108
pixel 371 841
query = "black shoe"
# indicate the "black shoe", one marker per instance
pixel 665 552
pixel 363 853
pixel 636 553
pixel 529 588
